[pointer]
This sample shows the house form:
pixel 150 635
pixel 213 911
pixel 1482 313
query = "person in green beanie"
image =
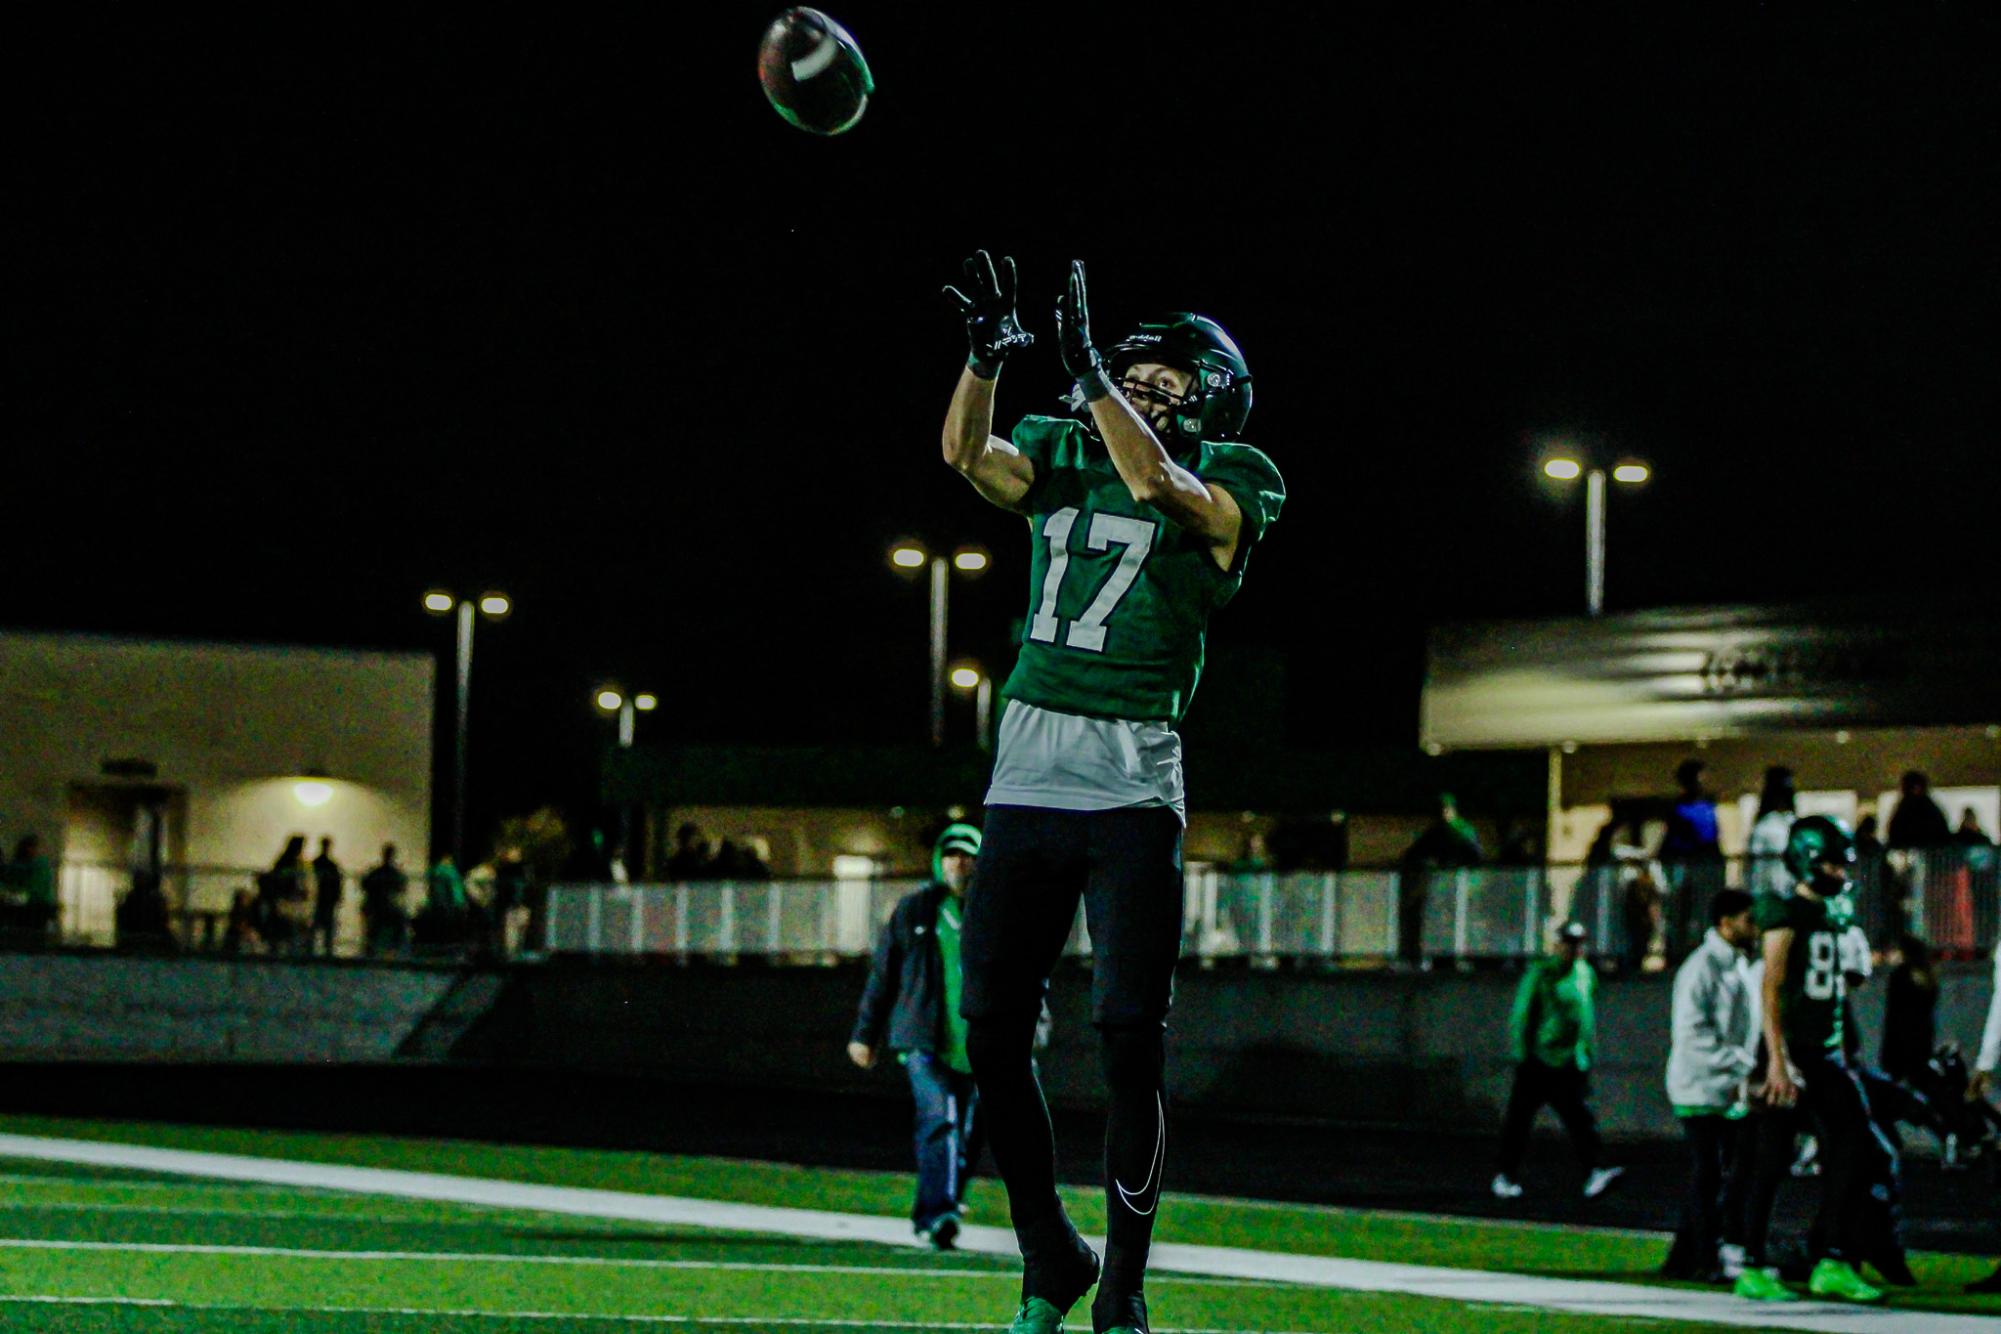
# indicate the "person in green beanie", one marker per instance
pixel 1550 1035
pixel 911 1007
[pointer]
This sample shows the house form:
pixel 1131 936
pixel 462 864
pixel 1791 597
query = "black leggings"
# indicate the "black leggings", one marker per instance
pixel 1035 866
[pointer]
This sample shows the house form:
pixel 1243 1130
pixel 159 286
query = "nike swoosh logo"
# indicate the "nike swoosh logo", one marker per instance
pixel 1159 1152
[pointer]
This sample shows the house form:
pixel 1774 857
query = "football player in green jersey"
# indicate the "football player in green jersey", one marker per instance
pixel 1142 513
pixel 1806 1064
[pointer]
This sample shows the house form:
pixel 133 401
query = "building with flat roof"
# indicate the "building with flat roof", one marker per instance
pixel 124 754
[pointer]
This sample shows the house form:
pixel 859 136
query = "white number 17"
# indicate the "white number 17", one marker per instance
pixel 1087 632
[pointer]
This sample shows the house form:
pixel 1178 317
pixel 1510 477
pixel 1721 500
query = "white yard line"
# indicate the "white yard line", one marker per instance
pixel 432 1312
pixel 1575 1296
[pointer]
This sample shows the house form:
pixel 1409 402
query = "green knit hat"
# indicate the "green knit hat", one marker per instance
pixel 956 838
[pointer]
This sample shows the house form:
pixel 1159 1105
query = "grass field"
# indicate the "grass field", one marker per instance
pixel 87 1248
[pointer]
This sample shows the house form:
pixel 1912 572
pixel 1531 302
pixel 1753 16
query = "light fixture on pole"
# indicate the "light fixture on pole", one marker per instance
pixel 911 557
pixel 493 606
pixel 1563 468
pixel 626 708
pixel 612 700
pixel 968 676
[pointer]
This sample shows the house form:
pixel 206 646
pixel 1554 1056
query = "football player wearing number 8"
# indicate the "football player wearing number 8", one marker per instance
pixel 1142 513
pixel 1805 1061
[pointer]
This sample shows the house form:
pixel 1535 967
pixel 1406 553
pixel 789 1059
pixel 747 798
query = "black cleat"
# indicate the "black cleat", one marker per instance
pixel 1062 1281
pixel 1120 1315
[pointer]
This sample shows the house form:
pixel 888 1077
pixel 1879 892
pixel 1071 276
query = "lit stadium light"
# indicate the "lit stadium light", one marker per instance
pixel 966 678
pixel 495 604
pixel 1630 472
pixel 645 703
pixel 438 603
pixel 1564 470
pixel 610 700
pixel 313 795
pixel 907 557
pixel 970 559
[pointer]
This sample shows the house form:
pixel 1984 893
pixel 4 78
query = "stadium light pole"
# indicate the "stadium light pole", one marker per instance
pixel 911 556
pixel 968 676
pixel 493 606
pixel 1563 468
pixel 626 708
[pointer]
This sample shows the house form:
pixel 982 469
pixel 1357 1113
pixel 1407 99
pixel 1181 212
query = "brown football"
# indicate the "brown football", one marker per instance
pixel 813 72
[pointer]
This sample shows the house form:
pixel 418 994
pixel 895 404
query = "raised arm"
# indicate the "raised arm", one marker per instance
pixel 994 467
pixel 1148 470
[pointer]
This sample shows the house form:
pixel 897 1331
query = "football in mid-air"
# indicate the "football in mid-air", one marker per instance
pixel 813 72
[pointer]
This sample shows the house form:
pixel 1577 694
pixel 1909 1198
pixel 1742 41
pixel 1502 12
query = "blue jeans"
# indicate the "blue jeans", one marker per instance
pixel 946 1104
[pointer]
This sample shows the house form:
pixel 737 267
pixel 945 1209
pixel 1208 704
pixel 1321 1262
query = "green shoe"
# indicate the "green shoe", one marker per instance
pixel 1838 1279
pixel 1762 1285
pixel 1037 1317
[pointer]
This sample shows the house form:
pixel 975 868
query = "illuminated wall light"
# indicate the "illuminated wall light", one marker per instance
pixel 312 794
pixel 1564 470
pixel 848 867
pixel 645 703
pixel 610 700
pixel 970 561
pixel 495 604
pixel 1630 472
pixel 965 678
pixel 906 558
pixel 438 602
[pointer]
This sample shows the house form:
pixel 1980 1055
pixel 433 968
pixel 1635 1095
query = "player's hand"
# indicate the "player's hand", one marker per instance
pixel 1073 328
pixel 992 331
pixel 1780 1088
pixel 862 1055
pixel 1976 1087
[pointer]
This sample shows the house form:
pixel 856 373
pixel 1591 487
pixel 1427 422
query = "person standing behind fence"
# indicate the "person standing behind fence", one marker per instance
pixel 1766 848
pixel 911 1005
pixel 282 896
pixel 383 917
pixel 1447 843
pixel 33 876
pixel 1691 853
pixel 328 880
pixel 1551 1033
pixel 1714 1049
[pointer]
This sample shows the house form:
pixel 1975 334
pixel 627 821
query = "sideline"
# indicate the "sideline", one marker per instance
pixel 1573 1296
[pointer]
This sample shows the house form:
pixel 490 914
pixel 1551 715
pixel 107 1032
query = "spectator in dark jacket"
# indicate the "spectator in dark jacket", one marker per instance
pixel 1918 822
pixel 384 919
pixel 327 882
pixel 1447 843
pixel 911 1007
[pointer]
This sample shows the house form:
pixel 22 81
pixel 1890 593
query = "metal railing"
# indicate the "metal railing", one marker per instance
pixel 1642 913
pixel 1645 914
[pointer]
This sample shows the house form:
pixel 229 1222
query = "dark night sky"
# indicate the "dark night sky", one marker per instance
pixel 319 316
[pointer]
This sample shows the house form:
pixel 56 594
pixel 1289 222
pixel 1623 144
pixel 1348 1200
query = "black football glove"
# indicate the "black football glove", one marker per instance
pixel 992 331
pixel 1073 337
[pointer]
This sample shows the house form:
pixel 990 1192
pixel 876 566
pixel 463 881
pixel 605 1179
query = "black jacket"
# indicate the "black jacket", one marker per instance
pixel 905 995
pixel 906 984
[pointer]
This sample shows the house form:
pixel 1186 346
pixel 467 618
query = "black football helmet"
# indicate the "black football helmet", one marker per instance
pixel 1219 400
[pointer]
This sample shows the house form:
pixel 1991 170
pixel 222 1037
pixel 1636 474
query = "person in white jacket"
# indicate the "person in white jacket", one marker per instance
pixel 1713 1052
pixel 1765 851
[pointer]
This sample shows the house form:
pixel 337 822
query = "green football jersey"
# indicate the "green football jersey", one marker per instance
pixel 1119 595
pixel 1813 989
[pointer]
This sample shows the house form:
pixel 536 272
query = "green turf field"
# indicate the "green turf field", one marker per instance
pixel 240 1256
